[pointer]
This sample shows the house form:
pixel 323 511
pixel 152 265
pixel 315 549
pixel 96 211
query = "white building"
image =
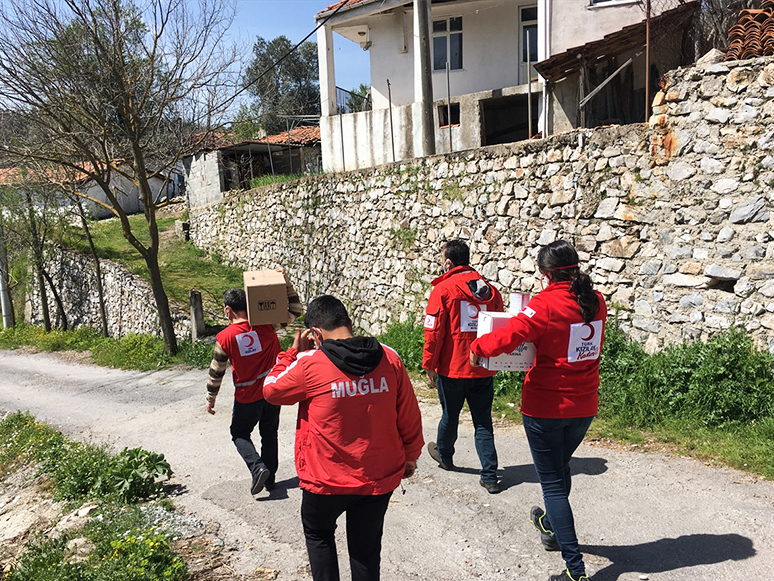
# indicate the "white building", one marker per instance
pixel 485 43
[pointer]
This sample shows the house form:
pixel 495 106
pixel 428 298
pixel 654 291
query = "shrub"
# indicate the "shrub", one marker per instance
pixel 408 340
pixel 134 351
pixel 134 472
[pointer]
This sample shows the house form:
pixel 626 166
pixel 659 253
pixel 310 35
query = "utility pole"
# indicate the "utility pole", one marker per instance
pixel 422 34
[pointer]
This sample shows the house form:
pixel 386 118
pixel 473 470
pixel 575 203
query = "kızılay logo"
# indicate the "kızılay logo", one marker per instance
pixel 266 305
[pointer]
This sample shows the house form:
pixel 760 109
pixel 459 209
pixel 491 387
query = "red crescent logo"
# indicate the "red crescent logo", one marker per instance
pixel 473 311
pixel 251 340
pixel 591 333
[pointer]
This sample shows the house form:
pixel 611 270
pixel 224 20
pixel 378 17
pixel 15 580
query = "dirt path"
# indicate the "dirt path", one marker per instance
pixel 636 514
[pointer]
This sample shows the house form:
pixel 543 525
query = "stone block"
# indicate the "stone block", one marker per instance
pixel 606 208
pixel 753 210
pixel 680 171
pixel 611 264
pixel 725 186
pixel 719 272
pixel 718 115
pixel 683 280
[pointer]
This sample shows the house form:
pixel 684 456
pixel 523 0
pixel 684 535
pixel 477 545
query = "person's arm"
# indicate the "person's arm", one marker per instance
pixel 525 326
pixel 294 303
pixel 409 420
pixel 215 376
pixel 286 382
pixel 434 325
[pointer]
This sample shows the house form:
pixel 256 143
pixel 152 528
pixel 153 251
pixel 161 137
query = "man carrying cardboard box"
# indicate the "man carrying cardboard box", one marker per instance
pixel 451 322
pixel 252 350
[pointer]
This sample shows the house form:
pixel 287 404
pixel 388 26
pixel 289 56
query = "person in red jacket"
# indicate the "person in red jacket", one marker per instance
pixel 566 322
pixel 451 323
pixel 252 351
pixel 359 432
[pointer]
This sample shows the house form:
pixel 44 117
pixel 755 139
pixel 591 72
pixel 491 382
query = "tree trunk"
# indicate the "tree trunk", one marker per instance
pixel 43 298
pixel 97 268
pixel 5 292
pixel 57 299
pixel 162 302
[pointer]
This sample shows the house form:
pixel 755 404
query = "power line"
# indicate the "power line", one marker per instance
pixel 283 57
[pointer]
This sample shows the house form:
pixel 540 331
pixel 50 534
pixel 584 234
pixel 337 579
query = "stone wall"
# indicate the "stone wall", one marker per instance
pixel 672 219
pixel 129 300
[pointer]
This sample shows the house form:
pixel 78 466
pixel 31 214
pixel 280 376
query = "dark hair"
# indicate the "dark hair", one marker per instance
pixel 457 251
pixel 236 299
pixel 560 254
pixel 327 313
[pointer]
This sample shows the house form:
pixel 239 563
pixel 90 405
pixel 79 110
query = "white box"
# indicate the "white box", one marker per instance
pixel 520 359
pixel 518 301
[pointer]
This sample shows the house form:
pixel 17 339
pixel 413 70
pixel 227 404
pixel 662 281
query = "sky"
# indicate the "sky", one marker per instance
pixel 295 19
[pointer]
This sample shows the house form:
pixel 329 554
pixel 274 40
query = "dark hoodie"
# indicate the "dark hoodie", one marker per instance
pixel 356 355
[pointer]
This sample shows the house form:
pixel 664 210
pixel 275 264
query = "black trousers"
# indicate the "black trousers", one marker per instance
pixel 243 420
pixel 365 522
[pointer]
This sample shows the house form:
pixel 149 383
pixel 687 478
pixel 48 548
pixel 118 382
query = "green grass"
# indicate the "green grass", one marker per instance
pixel 267 180
pixel 134 351
pixel 183 266
pixel 127 546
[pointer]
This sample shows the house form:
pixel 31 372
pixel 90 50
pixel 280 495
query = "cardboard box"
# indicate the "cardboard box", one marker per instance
pixel 267 298
pixel 521 359
pixel 518 301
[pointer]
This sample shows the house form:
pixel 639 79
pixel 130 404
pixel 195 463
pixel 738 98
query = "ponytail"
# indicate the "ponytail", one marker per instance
pixel 562 260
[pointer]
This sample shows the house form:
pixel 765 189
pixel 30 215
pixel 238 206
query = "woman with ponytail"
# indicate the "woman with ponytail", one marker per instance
pixel 566 323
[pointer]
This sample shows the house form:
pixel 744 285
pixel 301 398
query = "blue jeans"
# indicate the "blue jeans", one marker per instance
pixel 552 443
pixel 479 392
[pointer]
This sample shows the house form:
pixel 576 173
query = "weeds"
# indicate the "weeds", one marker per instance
pixel 408 340
pixel 268 180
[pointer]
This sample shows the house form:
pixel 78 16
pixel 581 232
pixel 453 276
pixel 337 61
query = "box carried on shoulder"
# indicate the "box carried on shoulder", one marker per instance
pixel 267 298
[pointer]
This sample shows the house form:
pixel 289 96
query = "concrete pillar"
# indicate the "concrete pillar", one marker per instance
pixel 423 79
pixel 197 314
pixel 327 72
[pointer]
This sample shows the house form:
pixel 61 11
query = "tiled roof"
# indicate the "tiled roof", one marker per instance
pixel 629 37
pixel 341 3
pixel 753 34
pixel 304 135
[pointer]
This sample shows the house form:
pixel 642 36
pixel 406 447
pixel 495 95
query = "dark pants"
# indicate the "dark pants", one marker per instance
pixel 479 392
pixel 243 420
pixel 365 522
pixel 552 443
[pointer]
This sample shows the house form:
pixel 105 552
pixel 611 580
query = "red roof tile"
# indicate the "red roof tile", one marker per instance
pixel 341 3
pixel 304 135
pixel 753 34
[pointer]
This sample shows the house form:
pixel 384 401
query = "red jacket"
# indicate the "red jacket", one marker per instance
pixel 565 379
pixel 252 352
pixel 451 322
pixel 354 434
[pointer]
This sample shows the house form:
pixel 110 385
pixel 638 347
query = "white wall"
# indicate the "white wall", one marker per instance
pixel 490 52
pixel 203 178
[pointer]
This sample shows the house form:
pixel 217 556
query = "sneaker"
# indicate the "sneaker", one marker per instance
pixel 566 576
pixel 491 487
pixel 259 480
pixel 547 537
pixel 432 449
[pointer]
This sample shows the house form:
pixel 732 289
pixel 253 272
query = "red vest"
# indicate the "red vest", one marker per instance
pixel 252 352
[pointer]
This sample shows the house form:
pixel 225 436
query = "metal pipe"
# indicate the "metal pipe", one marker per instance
pixel 529 88
pixel 647 60
pixel 290 152
pixel 341 132
pixel 5 296
pixel 448 105
pixel 422 8
pixel 392 132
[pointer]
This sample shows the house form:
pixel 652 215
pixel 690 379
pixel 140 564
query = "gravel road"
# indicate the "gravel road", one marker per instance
pixel 638 516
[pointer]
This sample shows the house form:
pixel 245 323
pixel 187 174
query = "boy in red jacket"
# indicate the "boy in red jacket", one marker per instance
pixel 359 432
pixel 451 322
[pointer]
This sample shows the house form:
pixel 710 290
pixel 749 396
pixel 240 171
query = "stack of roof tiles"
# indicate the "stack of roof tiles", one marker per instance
pixel 753 34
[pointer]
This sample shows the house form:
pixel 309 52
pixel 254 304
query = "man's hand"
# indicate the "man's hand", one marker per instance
pixel 475 360
pixel 210 407
pixel 302 341
pixel 411 467
pixel 432 377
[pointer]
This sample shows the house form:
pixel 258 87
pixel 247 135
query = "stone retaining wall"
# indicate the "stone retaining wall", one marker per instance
pixel 128 298
pixel 672 219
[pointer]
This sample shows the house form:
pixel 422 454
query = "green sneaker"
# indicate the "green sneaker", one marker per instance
pixel 547 538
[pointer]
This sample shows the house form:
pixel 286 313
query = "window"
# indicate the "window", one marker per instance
pixel 528 18
pixel 443 115
pixel 447 44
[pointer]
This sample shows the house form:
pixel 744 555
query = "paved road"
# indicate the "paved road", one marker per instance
pixel 636 514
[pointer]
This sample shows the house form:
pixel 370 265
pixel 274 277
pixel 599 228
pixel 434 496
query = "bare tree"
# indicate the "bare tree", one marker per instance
pixel 115 91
